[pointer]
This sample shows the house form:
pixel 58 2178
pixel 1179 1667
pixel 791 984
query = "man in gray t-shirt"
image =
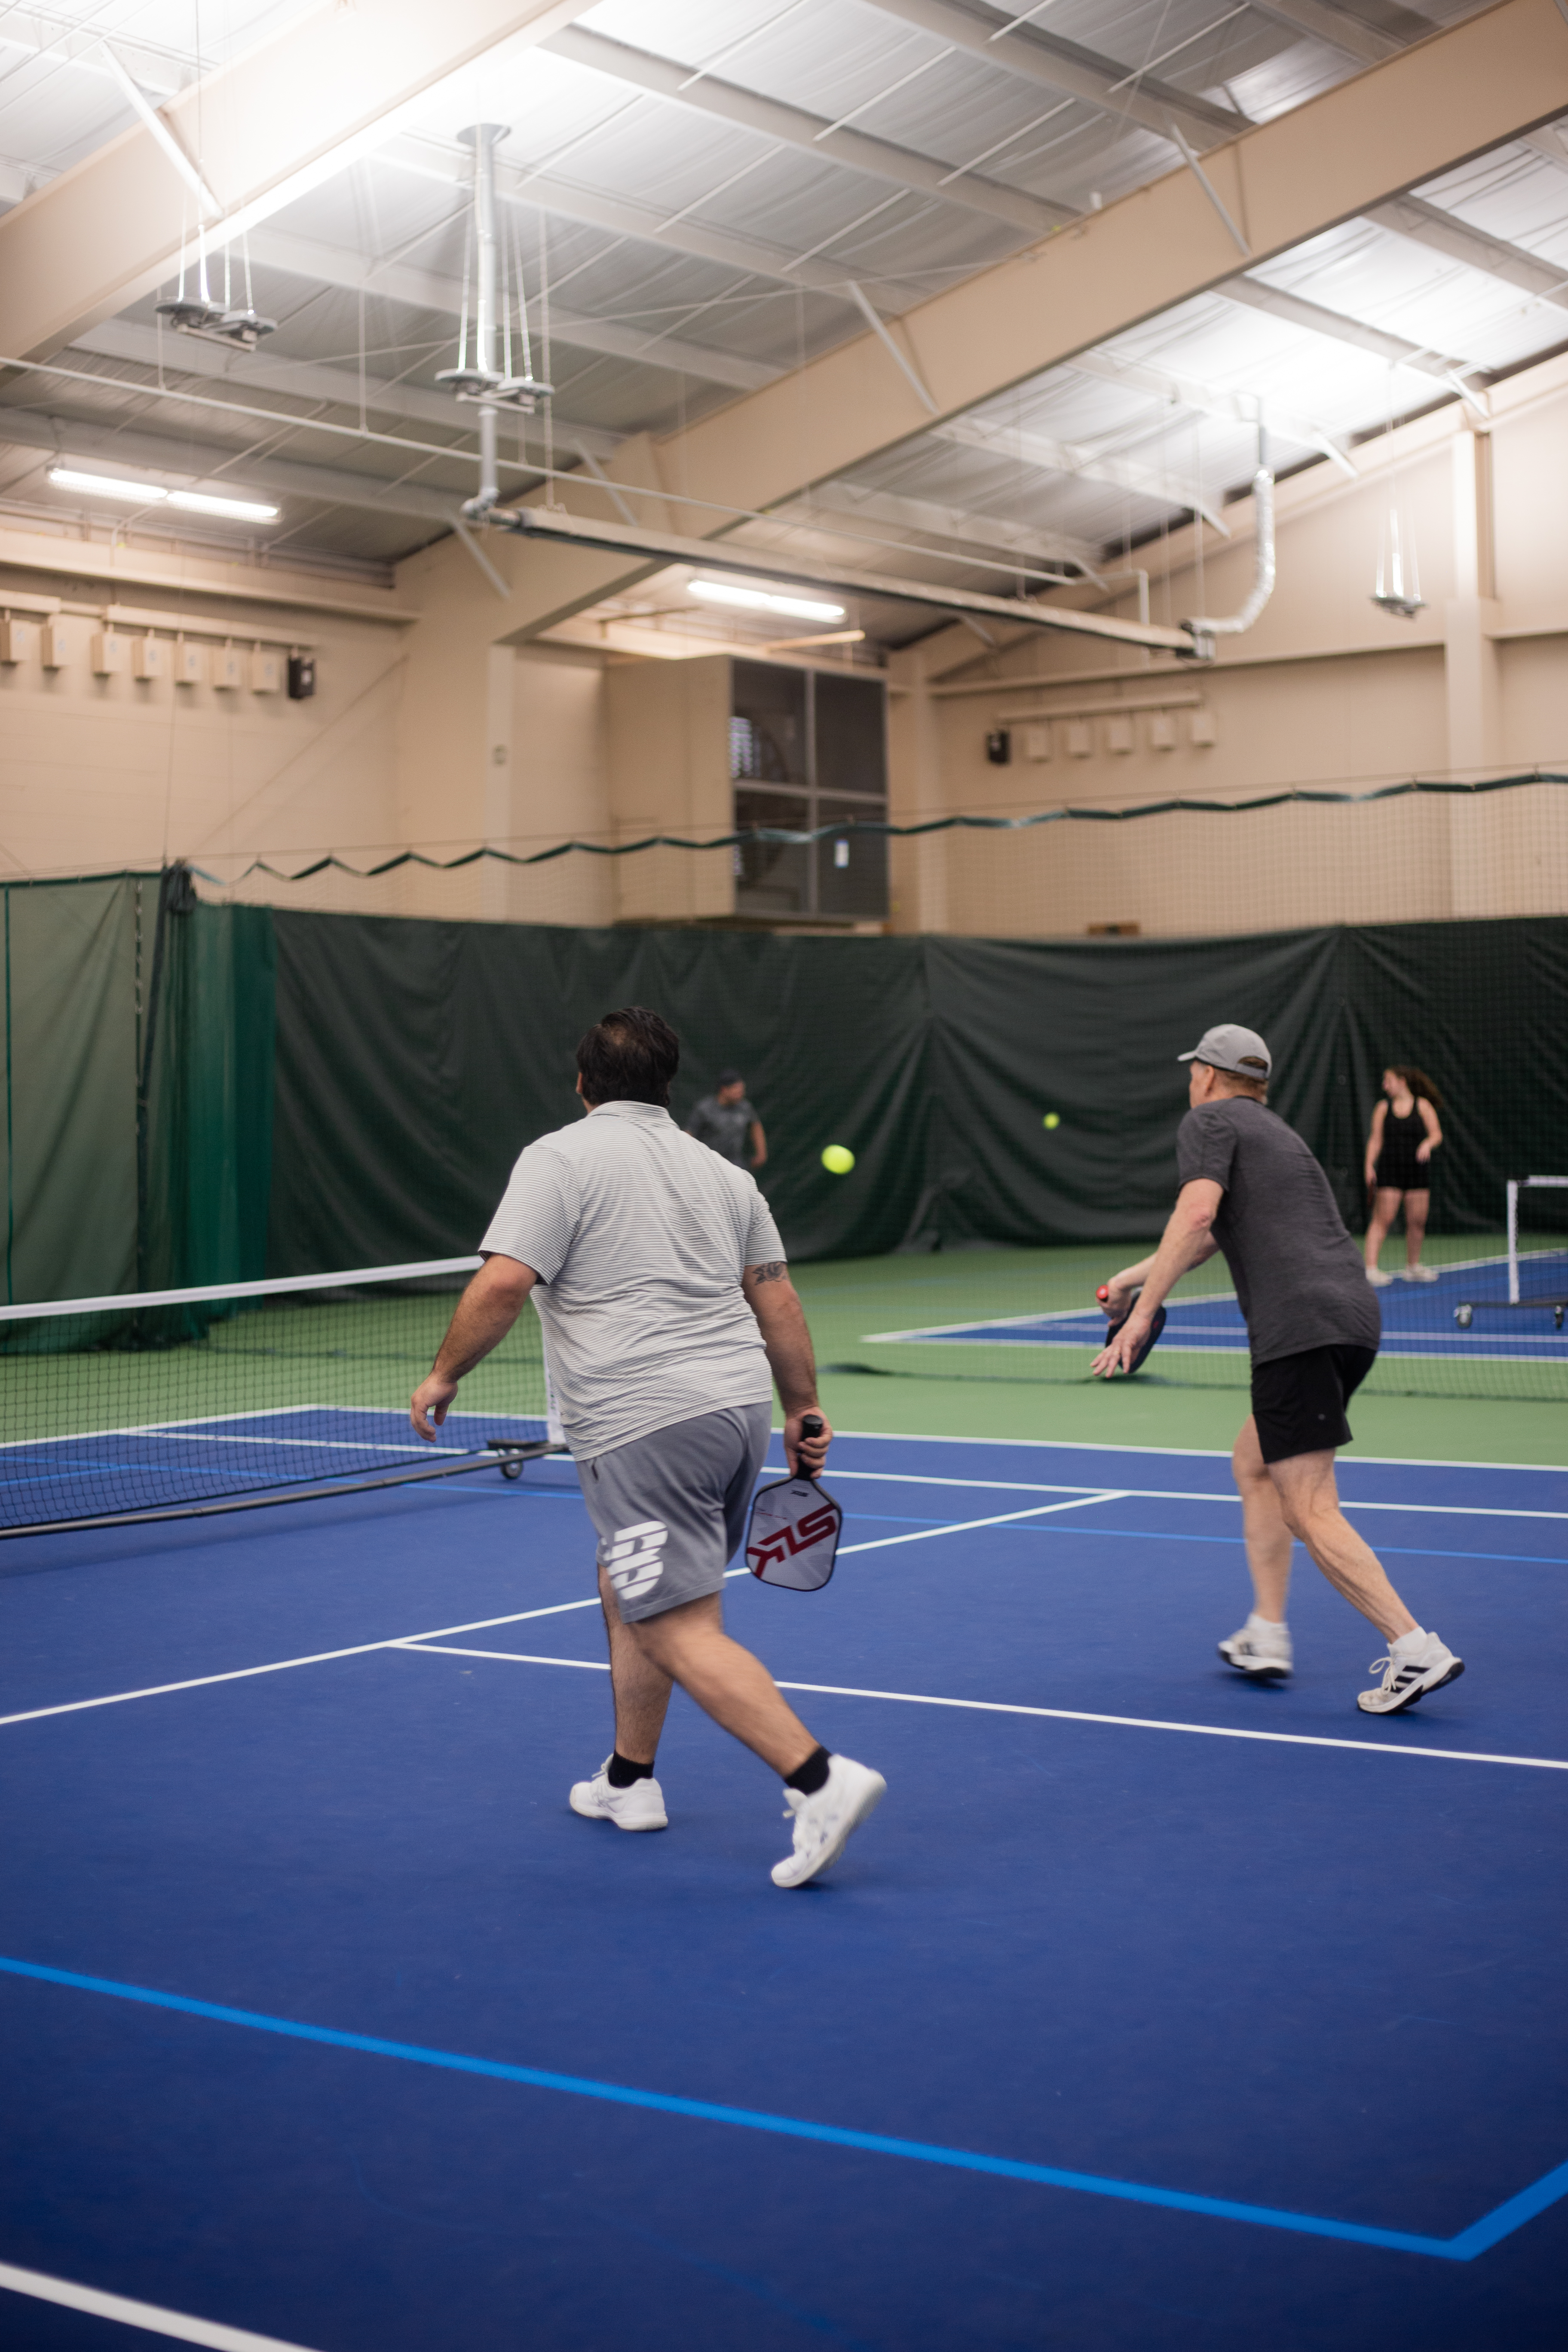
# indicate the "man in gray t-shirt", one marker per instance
pixel 1250 1188
pixel 728 1123
pixel 659 1279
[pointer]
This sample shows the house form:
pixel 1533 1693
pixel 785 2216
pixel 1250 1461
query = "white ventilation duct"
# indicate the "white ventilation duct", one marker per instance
pixel 1204 632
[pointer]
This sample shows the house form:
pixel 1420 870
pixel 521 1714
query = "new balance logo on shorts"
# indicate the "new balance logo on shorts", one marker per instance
pixel 635 1561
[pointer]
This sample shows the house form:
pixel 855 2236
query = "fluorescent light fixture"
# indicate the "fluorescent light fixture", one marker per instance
pixel 764 600
pixel 107 486
pixel 151 494
pixel 238 509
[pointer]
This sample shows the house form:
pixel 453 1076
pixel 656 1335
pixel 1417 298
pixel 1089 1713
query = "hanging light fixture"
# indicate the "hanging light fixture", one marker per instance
pixel 494 275
pixel 195 311
pixel 1398 586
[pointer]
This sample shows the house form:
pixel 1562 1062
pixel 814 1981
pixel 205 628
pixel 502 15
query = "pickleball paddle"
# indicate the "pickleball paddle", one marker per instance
pixel 1140 1354
pixel 793 1536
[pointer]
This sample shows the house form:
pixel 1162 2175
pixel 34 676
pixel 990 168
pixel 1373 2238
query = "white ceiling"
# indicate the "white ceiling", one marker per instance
pixel 702 241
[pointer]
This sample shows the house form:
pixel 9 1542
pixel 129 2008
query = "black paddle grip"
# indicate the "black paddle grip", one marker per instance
pixel 812 1425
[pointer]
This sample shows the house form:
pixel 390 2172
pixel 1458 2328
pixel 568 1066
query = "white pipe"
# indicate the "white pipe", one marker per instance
pixel 484 138
pixel 1204 632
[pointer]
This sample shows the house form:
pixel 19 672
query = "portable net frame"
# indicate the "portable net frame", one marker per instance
pixel 175 1403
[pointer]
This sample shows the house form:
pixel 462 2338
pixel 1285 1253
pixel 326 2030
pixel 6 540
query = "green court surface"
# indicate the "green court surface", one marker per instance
pixel 846 1299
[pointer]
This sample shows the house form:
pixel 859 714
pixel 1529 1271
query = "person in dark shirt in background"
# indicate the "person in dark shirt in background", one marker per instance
pixel 728 1124
pixel 1251 1188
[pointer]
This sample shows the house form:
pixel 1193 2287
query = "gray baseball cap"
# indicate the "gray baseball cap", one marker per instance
pixel 1228 1048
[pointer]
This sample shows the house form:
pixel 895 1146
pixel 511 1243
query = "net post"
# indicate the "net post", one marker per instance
pixel 1513 1241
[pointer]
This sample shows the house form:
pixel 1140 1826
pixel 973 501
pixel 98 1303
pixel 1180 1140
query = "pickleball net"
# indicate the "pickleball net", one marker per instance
pixel 174 1402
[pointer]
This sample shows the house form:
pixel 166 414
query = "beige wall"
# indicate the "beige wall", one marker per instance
pixel 444 721
pixel 1326 694
pixel 108 772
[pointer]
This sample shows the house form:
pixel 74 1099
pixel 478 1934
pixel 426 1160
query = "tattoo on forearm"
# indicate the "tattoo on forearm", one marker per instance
pixel 774 1271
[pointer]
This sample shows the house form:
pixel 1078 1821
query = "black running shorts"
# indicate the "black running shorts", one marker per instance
pixel 1299 1401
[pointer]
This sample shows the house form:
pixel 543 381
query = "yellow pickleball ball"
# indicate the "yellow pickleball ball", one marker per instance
pixel 1053 1119
pixel 838 1160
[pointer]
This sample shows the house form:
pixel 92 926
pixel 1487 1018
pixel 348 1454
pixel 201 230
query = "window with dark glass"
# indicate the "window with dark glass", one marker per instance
pixel 808 750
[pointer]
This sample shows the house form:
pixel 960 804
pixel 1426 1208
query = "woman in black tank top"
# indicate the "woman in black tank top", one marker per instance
pixel 1404 1134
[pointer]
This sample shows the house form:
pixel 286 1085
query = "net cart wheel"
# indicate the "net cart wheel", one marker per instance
pixel 510 1467
pixel 1464 1317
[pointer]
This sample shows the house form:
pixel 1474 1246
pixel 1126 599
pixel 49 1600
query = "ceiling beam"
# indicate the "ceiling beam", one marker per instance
pixel 1212 400
pixel 1442 232
pixel 624 216
pixel 427 289
pixel 253 372
pixel 960 527
pixel 264 130
pixel 1338 29
pixel 1432 107
pixel 1037 451
pixel 1041 56
pixel 791 126
pixel 196 464
pixel 1255 296
pixel 553 523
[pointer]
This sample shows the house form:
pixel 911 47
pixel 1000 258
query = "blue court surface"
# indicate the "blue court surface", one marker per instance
pixel 1152 2008
pixel 1465 1314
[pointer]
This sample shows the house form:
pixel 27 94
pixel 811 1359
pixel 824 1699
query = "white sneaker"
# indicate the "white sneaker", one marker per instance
pixel 1263 1652
pixel 1376 1277
pixel 640 1807
pixel 1404 1680
pixel 1421 1274
pixel 823 1822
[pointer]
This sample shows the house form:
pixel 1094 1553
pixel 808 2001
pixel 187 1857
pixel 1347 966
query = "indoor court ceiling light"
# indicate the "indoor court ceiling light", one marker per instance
pixel 762 600
pixel 151 494
pixel 107 485
pixel 237 510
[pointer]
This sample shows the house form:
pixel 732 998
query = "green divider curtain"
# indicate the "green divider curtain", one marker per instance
pixel 416 1058
pixel 137 1135
pixel 69 1136
pixel 207 1109
pixel 158 1133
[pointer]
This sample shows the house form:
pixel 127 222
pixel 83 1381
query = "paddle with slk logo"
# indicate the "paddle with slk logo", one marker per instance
pixel 793 1538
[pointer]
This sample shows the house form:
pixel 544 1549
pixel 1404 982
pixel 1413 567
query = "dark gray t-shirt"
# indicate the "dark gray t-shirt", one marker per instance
pixel 722 1126
pixel 1299 1279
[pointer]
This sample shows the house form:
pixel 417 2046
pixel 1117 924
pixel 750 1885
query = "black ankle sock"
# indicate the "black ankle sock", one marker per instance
pixel 812 1775
pixel 620 1771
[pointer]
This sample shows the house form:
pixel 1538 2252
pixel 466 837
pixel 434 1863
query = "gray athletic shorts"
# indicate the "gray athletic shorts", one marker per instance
pixel 670 1509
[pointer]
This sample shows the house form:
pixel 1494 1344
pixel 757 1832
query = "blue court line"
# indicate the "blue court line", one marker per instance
pixel 1163 1535
pixel 1481 2235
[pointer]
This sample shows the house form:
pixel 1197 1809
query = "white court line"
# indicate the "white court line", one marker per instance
pixel 562 1608
pixel 962 1527
pixel 1200 1453
pixel 282 1666
pixel 398 1641
pixel 148 2316
pixel 1176 1494
pixel 1050 1713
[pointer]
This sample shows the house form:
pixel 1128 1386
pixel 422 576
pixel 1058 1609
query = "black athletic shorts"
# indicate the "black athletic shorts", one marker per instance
pixel 1299 1401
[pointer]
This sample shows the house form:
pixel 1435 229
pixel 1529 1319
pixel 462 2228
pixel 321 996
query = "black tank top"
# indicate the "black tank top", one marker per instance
pixel 1397 1165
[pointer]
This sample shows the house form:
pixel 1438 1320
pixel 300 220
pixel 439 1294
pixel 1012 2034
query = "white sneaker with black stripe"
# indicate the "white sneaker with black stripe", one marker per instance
pixel 1407 1678
pixel 1260 1650
pixel 640 1807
